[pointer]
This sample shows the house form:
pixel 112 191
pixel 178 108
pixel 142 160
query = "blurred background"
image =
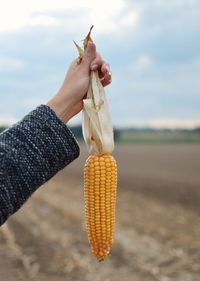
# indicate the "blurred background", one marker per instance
pixel 153 48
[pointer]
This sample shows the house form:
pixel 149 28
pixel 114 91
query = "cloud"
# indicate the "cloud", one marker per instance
pixel 43 20
pixel 11 63
pixel 174 123
pixel 163 123
pixel 7 120
pixel 105 15
pixel 153 48
pixel 130 19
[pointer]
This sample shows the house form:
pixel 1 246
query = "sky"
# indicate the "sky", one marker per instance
pixel 153 48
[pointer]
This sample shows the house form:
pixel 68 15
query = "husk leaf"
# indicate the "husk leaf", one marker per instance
pixel 97 124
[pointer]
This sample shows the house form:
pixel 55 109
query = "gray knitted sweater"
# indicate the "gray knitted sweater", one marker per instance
pixel 31 152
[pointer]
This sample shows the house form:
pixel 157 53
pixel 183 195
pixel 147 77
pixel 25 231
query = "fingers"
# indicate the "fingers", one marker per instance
pixel 89 54
pixel 103 68
pixel 97 63
pixel 106 79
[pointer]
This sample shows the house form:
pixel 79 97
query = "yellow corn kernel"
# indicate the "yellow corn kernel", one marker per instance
pixel 100 184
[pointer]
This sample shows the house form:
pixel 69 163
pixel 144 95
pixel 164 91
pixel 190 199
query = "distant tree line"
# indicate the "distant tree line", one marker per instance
pixel 118 132
pixel 77 131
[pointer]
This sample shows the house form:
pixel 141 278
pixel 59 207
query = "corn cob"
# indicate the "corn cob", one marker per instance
pixel 100 182
pixel 100 172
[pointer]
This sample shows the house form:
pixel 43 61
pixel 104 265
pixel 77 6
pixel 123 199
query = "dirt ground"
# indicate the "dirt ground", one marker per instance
pixel 157 229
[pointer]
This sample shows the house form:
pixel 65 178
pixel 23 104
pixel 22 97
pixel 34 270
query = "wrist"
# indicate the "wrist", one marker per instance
pixel 61 108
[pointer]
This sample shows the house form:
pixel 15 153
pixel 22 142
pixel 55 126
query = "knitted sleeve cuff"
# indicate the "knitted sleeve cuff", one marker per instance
pixel 32 151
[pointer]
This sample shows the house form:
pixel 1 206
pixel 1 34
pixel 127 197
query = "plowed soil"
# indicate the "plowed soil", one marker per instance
pixel 157 222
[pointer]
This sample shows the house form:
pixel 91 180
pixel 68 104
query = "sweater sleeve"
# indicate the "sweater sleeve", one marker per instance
pixel 31 152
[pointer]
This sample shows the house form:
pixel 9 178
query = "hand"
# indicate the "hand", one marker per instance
pixel 69 99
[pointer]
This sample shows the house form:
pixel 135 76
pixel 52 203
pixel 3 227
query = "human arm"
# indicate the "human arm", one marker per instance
pixel 68 101
pixel 31 152
pixel 36 148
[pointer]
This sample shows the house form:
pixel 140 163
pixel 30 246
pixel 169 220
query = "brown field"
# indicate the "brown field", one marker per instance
pixel 157 229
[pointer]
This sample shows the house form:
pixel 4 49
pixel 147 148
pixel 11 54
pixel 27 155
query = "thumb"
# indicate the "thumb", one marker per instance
pixel 89 54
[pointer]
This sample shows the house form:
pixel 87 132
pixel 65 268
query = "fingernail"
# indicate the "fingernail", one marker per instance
pixel 94 67
pixel 109 73
pixel 89 45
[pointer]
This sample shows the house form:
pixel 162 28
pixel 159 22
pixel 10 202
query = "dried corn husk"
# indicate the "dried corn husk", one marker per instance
pixel 97 124
pixel 100 171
